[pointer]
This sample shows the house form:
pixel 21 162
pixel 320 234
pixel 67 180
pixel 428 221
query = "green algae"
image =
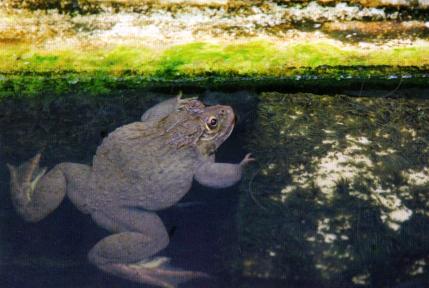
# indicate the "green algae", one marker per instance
pixel 29 71
pixel 93 84
pixel 262 58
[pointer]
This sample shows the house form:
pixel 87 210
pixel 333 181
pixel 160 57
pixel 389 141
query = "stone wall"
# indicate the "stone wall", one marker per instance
pixel 340 191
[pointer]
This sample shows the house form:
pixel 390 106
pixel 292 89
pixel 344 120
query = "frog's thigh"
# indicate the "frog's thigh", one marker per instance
pixel 141 235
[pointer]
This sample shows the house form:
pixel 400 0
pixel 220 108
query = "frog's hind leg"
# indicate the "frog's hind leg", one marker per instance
pixel 129 254
pixel 35 193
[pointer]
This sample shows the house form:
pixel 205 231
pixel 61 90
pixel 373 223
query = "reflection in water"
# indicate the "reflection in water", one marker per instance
pixel 339 197
pixel 344 186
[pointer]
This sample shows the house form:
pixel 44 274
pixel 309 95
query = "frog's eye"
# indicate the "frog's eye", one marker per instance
pixel 212 123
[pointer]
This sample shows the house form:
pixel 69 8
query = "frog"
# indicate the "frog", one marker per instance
pixel 138 169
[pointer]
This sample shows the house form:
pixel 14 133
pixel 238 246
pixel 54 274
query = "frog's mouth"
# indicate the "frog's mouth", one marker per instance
pixel 231 127
pixel 232 122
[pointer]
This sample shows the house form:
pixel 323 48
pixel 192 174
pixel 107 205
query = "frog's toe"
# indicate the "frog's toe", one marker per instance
pixel 247 159
pixel 155 271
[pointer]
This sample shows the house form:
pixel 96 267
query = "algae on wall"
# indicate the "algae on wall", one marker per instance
pixel 163 41
pixel 340 194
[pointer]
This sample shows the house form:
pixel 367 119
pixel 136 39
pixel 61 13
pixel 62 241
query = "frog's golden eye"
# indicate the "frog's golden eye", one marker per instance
pixel 212 122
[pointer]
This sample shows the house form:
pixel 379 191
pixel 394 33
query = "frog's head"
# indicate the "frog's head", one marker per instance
pixel 219 121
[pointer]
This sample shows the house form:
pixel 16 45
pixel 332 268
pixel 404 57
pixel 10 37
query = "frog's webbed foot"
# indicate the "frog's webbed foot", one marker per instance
pixel 23 183
pixel 155 271
pixel 34 192
pixel 23 180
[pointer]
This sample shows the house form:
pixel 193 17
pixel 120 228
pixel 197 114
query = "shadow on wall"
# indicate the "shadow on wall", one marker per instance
pixel 341 195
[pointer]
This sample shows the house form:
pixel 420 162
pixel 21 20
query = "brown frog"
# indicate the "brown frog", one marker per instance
pixel 138 169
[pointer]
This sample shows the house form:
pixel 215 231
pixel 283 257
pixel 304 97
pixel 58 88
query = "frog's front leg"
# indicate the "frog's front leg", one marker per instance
pixel 129 253
pixel 160 110
pixel 166 107
pixel 221 175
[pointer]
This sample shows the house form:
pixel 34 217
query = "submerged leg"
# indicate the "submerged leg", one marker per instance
pixel 35 193
pixel 129 254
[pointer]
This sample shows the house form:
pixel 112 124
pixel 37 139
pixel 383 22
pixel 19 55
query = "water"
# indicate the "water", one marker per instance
pixel 338 197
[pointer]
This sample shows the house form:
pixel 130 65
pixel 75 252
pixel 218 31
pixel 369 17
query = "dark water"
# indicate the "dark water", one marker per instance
pixel 221 231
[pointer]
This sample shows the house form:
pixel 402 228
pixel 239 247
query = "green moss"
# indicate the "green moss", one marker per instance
pixel 261 58
pixel 250 58
pixel 190 59
pixel 315 55
pixel 98 71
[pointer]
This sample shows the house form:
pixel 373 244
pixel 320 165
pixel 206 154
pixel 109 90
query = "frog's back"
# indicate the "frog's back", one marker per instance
pixel 135 166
